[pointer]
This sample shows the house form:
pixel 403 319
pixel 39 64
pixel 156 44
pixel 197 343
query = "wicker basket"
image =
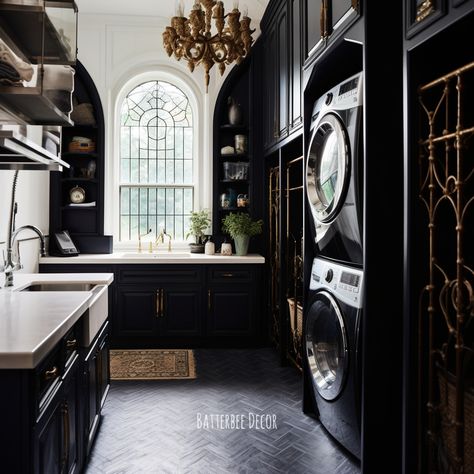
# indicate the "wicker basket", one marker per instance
pixel 296 317
pixel 448 415
pixel 81 147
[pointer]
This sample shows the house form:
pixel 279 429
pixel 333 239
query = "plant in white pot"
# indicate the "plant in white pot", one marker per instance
pixel 241 227
pixel 199 221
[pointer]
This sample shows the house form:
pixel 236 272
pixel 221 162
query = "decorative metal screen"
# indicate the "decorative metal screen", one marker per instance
pixel 156 161
pixel 446 324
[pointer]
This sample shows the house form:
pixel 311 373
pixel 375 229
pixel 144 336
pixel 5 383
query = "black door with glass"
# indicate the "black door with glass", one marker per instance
pixel 327 348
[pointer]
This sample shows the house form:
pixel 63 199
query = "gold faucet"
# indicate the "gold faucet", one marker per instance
pixel 140 240
pixel 161 236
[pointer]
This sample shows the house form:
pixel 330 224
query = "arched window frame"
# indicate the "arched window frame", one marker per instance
pixel 199 168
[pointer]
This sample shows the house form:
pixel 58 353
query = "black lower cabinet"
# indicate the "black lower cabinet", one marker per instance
pixel 231 311
pixel 166 306
pixel 56 445
pixel 159 311
pixel 50 414
pixel 57 435
pixel 96 382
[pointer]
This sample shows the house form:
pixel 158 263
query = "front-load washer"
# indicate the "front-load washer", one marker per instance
pixel 334 172
pixel 333 349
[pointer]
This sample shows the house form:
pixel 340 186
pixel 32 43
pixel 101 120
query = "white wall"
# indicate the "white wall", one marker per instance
pixel 32 196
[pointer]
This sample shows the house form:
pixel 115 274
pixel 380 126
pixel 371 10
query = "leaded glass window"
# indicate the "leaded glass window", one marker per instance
pixel 156 161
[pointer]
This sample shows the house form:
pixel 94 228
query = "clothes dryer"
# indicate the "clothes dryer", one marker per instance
pixel 334 172
pixel 332 342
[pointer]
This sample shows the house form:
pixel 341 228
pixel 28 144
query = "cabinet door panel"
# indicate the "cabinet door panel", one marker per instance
pixel 104 371
pixel 182 312
pixel 313 24
pixel 296 96
pixel 49 445
pixel 69 424
pixel 270 126
pixel 338 9
pixel 231 312
pixel 283 86
pixel 138 311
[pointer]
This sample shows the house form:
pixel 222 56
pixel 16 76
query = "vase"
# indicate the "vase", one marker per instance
pixel 196 248
pixel 235 112
pixel 241 244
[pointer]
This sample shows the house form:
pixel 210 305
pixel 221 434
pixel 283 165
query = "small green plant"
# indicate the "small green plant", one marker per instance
pixel 199 221
pixel 241 224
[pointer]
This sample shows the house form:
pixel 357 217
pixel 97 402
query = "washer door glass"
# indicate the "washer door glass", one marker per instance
pixel 327 168
pixel 326 346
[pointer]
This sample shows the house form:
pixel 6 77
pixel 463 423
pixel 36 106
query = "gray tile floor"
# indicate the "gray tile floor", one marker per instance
pixel 154 427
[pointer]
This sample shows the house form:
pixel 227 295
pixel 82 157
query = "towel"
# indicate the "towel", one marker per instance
pixel 7 56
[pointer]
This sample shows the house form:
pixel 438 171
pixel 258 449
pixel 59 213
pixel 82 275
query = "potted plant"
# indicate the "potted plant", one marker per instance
pixel 198 222
pixel 241 227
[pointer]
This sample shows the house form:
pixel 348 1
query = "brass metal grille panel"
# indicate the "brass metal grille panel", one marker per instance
pixel 446 315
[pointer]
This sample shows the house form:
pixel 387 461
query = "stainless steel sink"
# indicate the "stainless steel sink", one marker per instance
pixel 98 308
pixel 59 286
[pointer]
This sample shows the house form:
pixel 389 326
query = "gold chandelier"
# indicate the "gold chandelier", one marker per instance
pixel 192 39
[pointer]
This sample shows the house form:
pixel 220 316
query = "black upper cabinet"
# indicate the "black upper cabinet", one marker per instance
pixel 296 109
pixel 282 72
pixel 314 23
pixel 325 20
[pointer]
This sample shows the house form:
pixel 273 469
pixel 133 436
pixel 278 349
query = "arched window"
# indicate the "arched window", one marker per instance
pixel 156 161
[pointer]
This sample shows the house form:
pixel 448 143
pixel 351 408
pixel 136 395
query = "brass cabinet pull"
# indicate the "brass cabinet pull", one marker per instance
pixel 162 303
pixel 158 303
pixel 51 374
pixel 66 441
pixel 71 343
pixel 209 300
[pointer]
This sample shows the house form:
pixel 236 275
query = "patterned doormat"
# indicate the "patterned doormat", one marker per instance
pixel 152 364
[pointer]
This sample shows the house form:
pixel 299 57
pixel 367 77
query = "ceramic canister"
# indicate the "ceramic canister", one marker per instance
pixel 226 248
pixel 210 248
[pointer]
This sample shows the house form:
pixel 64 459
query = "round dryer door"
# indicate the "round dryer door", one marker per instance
pixel 327 168
pixel 326 346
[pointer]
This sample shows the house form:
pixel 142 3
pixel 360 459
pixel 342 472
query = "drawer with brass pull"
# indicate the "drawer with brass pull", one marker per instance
pixel 229 274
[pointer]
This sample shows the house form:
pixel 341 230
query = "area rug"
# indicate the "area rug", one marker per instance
pixel 152 364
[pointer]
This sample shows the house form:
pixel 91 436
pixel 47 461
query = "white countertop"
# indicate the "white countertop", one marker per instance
pixel 176 257
pixel 32 323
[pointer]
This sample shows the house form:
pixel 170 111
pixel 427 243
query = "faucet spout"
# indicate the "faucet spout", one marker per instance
pixel 10 265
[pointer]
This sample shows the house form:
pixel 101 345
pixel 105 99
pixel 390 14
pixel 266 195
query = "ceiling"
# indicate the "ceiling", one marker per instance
pixel 163 8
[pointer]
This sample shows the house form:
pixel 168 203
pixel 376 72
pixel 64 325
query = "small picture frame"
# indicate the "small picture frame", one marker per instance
pixel 422 13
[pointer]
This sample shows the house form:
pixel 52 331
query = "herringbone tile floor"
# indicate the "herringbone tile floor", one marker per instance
pixel 152 427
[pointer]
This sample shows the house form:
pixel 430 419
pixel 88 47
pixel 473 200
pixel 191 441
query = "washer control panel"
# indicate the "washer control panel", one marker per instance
pixel 344 282
pixel 346 95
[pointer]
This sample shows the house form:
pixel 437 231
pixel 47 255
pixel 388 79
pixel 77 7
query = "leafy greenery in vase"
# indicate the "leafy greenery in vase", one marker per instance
pixel 199 221
pixel 241 224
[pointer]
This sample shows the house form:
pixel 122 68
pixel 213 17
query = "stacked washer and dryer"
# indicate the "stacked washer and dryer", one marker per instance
pixel 334 300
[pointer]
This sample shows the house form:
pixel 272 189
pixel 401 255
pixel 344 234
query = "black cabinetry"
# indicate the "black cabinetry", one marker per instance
pixel 57 436
pixel 41 417
pixel 231 298
pixel 96 382
pixel 199 305
pixel 238 177
pixel 83 149
pixel 324 21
